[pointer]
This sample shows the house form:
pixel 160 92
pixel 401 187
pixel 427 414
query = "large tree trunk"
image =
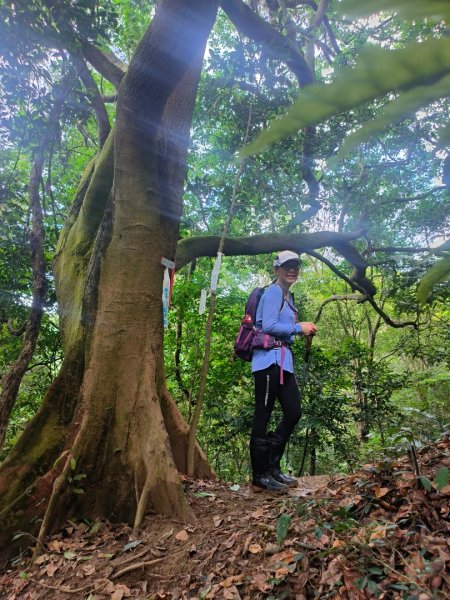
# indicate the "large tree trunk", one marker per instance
pixel 108 416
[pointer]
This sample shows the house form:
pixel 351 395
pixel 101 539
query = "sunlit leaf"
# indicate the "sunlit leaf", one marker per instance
pixel 378 72
pixel 406 104
pixel 408 9
pixel 438 272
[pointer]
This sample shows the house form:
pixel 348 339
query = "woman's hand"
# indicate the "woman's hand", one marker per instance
pixel 308 328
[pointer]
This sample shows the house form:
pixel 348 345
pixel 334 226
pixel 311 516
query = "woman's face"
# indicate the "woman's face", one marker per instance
pixel 288 272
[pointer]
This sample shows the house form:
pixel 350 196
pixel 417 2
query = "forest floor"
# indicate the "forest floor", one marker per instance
pixel 382 532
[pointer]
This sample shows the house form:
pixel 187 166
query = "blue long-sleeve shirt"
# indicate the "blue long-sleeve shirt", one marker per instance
pixel 279 323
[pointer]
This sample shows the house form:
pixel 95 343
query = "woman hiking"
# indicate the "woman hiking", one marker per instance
pixel 273 370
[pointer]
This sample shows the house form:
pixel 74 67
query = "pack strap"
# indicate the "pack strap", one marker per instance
pixel 283 351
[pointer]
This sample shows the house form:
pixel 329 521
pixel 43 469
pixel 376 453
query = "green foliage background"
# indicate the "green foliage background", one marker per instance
pixel 380 106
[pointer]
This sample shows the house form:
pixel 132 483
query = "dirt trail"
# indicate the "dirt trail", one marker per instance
pixel 374 534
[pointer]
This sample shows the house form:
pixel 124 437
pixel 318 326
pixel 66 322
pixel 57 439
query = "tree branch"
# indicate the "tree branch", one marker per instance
pixel 194 247
pixel 356 285
pixel 438 188
pixel 357 297
pixel 277 45
pixel 105 62
pixel 95 98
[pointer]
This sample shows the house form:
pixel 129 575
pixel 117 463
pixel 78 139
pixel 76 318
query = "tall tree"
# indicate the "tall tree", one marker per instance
pixel 108 424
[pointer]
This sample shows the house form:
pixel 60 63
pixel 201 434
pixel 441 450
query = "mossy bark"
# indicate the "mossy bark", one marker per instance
pixel 108 417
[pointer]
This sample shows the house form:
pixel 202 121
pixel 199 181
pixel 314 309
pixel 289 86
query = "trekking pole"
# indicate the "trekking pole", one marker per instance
pixel 306 359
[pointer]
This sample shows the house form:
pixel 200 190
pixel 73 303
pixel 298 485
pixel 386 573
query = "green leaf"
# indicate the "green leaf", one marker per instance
pixel 78 490
pixel 425 482
pixel 441 479
pixel 73 464
pixel 19 535
pixel 283 522
pixel 203 494
pixel 23 575
pixel 69 555
pixel 408 9
pixel 406 104
pixel 378 72
pixel 438 272
pixel 60 457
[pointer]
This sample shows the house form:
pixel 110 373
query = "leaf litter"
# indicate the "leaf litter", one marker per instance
pixel 378 533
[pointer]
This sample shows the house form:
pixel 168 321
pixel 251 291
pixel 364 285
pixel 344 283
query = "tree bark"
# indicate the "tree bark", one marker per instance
pixel 108 416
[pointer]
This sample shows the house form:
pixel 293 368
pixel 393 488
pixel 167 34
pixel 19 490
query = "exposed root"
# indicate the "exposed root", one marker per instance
pixel 66 590
pixel 45 525
pixel 142 504
pixel 58 486
pixel 139 565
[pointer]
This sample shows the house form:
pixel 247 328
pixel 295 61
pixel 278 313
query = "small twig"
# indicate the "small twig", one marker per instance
pixel 138 565
pixel 63 588
pixel 133 557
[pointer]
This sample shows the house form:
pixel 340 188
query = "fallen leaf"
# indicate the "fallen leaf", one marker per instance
pixel 88 569
pixel 287 556
pixel 232 580
pixel 259 580
pixel 254 548
pixel 182 536
pixel 258 513
pixel 51 569
pixel 217 520
pixel 281 573
pixel 166 535
pixel 271 548
pixel 333 573
pixel 380 492
pixel 231 541
pixel 231 593
pixel 54 545
pixel 131 545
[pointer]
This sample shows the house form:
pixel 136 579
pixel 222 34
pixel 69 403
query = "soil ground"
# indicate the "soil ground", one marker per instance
pixel 380 533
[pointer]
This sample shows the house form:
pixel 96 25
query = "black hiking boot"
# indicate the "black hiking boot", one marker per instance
pixel 259 455
pixel 268 483
pixel 282 478
pixel 276 450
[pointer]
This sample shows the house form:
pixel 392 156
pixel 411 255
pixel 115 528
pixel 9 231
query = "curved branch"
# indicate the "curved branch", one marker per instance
pixel 15 331
pixel 105 62
pixel 357 297
pixel 356 285
pixel 93 93
pixel 194 247
pixel 190 248
pixel 277 45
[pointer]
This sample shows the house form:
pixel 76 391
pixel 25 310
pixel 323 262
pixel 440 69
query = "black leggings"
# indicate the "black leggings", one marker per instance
pixel 267 388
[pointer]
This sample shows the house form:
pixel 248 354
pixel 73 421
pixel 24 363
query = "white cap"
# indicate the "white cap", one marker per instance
pixel 284 256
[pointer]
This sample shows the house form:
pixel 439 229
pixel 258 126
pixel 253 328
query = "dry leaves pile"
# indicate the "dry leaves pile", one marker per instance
pixel 380 533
